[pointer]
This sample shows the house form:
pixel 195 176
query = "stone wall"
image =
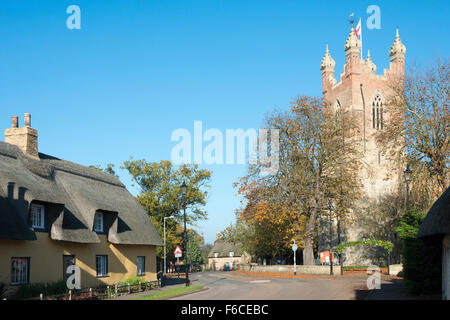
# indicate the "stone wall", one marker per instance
pixel 325 270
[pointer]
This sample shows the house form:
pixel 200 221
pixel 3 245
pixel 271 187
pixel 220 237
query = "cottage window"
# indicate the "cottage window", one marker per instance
pixel 216 254
pixel 102 265
pixel 98 222
pixel 140 266
pixel 37 216
pixel 20 270
pixel 231 254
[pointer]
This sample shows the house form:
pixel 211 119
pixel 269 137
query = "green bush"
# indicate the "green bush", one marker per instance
pixel 422 265
pixel 33 290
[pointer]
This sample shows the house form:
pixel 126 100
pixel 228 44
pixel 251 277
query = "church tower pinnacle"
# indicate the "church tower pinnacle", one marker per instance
pixel 327 67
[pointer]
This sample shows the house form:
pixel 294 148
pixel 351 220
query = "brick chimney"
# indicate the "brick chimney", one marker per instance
pixel 26 138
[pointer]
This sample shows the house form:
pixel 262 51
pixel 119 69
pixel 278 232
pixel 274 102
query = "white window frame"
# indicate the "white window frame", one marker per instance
pixel 231 253
pixel 98 222
pixel 101 265
pixel 20 275
pixel 37 216
pixel 140 265
pixel 216 254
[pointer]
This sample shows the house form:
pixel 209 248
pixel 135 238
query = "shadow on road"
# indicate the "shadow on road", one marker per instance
pixel 170 281
pixel 391 289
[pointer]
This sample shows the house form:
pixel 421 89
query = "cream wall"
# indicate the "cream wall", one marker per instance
pixel 221 261
pixel 46 259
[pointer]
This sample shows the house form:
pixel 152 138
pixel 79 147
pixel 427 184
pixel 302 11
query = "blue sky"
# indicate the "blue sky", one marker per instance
pixel 138 70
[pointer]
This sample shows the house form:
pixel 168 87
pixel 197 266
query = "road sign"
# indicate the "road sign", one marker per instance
pixel 178 253
pixel 294 248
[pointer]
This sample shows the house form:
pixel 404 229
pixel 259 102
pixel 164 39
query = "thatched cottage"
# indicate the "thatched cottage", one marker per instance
pixel 226 256
pixel 55 213
pixel 437 224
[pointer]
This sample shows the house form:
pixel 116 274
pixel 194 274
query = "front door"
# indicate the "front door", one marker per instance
pixel 68 260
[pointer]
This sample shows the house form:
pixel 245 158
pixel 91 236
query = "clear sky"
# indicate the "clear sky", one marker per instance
pixel 138 70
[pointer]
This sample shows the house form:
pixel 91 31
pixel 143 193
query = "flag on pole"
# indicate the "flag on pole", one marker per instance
pixel 358 33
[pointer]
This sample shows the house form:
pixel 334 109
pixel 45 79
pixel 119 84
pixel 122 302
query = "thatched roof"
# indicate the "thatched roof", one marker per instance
pixel 73 193
pixel 224 247
pixel 437 221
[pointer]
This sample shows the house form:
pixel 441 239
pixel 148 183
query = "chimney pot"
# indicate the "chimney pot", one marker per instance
pixel 15 122
pixel 27 120
pixel 26 138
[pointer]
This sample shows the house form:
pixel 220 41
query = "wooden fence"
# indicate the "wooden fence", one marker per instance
pixel 104 292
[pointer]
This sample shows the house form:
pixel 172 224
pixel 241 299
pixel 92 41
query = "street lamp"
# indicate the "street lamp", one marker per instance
pixel 184 189
pixel 408 173
pixel 331 235
pixel 165 268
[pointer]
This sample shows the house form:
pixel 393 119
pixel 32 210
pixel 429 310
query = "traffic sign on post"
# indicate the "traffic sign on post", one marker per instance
pixel 178 253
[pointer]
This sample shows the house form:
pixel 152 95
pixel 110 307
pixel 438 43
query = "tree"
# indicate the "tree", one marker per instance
pixel 109 169
pixel 204 250
pixel 318 158
pixel 161 195
pixel 194 253
pixel 235 233
pixel 419 123
pixel 419 255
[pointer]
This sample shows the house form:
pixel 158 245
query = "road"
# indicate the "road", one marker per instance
pixel 231 286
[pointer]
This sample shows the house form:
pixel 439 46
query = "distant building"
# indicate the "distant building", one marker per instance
pixel 437 224
pixel 55 213
pixel 363 93
pixel 226 256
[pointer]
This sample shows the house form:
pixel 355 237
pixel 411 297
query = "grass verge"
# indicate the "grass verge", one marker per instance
pixel 170 293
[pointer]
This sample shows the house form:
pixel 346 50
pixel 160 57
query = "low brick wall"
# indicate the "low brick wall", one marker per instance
pixel 290 269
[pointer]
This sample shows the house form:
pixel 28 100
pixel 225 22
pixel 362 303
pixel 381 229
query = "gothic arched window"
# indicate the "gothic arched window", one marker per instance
pixel 377 113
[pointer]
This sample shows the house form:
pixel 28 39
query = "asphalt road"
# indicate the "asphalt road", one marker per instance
pixel 230 286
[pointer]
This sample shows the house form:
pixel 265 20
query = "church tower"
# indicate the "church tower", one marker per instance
pixel 364 93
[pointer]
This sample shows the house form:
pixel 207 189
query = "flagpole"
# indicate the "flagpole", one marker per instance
pixel 360 32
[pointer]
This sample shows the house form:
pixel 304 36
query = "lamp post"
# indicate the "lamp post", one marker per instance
pixel 331 236
pixel 165 268
pixel 408 173
pixel 183 189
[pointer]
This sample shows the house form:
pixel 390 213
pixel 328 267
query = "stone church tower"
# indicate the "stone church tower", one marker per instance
pixel 364 93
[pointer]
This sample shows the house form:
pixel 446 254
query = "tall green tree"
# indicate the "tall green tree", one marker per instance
pixel 161 195
pixel 194 243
